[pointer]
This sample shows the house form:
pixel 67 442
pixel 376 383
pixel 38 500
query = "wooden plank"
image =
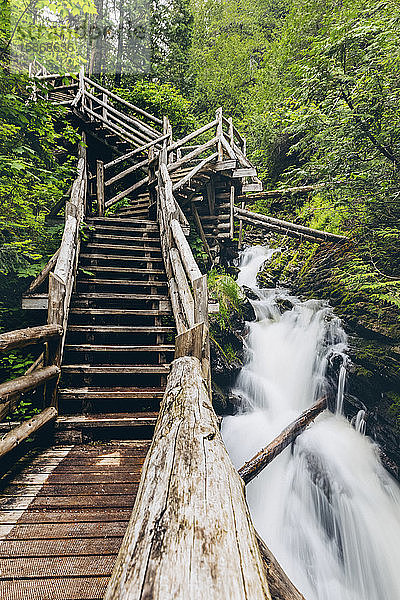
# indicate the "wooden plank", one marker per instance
pixel 31 335
pixel 190 498
pixel 12 439
pixel 135 152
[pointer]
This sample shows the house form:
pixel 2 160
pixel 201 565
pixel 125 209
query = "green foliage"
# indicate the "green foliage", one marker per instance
pixel 161 99
pixel 223 288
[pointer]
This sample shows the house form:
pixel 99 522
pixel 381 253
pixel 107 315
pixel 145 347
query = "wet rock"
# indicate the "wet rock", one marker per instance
pixel 284 304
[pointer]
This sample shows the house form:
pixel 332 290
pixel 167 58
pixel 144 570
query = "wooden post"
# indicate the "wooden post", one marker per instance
pixel 231 211
pixel 219 133
pixel 240 231
pixel 190 534
pixel 200 293
pixel 190 342
pixel 201 230
pixel 211 197
pixel 55 315
pixel 231 133
pixel 100 188
pixel 104 110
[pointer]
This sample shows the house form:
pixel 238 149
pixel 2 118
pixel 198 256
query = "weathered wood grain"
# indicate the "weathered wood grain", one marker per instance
pixel 20 338
pixel 190 534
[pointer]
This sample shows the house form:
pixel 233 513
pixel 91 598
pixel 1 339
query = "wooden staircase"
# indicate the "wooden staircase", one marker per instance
pixel 120 336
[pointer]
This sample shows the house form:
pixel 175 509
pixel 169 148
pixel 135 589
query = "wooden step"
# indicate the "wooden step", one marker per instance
pixel 112 269
pixel 117 238
pixel 115 369
pixel 100 348
pixel 118 282
pixel 121 248
pixel 121 296
pixel 128 312
pixel 108 420
pixel 95 393
pixel 117 221
pixel 121 328
pixel 126 229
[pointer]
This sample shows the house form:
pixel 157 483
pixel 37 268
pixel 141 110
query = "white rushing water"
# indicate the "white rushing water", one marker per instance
pixel 326 507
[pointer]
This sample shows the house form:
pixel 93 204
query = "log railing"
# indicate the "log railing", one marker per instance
pixel 36 377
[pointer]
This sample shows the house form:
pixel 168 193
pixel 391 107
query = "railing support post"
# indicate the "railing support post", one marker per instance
pixel 100 188
pixel 219 133
pixel 55 315
pixel 200 293
pixel 231 211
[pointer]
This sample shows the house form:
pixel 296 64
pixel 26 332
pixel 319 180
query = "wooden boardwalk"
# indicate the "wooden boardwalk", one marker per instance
pixel 63 514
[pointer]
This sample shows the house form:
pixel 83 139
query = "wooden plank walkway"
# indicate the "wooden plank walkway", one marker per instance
pixel 62 519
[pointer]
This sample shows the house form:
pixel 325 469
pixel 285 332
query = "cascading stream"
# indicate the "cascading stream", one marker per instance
pixel 327 508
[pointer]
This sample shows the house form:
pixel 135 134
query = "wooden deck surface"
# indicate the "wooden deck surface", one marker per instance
pixel 62 518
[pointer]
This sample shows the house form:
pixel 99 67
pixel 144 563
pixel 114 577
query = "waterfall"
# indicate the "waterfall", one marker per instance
pixel 326 507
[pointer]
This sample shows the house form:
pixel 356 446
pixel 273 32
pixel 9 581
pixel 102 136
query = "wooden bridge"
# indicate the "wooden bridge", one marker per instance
pixel 121 497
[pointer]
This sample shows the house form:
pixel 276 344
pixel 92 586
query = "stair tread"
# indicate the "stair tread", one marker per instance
pixel 109 220
pixel 122 328
pixel 123 282
pixel 128 238
pixel 115 369
pixel 117 348
pixel 121 295
pixel 154 312
pixel 106 420
pixel 121 269
pixel 115 393
pixel 120 247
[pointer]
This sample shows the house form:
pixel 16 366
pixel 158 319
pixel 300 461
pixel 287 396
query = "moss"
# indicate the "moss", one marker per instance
pixel 394 409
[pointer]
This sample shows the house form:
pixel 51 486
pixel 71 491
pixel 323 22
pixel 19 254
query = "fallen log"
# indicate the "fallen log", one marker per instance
pixel 288 228
pixel 20 338
pixel 280 586
pixel 302 189
pixel 256 464
pixel 20 433
pixel 190 535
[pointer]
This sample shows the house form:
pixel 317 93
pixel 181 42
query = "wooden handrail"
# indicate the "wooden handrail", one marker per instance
pixel 133 153
pixel 195 170
pixel 188 157
pixel 127 171
pixel 110 108
pixel 20 338
pixel 191 136
pixel 124 102
pixel 25 383
pixel 20 433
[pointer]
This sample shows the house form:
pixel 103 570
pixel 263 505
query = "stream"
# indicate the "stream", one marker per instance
pixel 326 507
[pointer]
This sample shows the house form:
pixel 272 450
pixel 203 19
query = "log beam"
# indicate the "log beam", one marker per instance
pixel 31 335
pixel 17 435
pixel 25 383
pixel 255 465
pixel 190 534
